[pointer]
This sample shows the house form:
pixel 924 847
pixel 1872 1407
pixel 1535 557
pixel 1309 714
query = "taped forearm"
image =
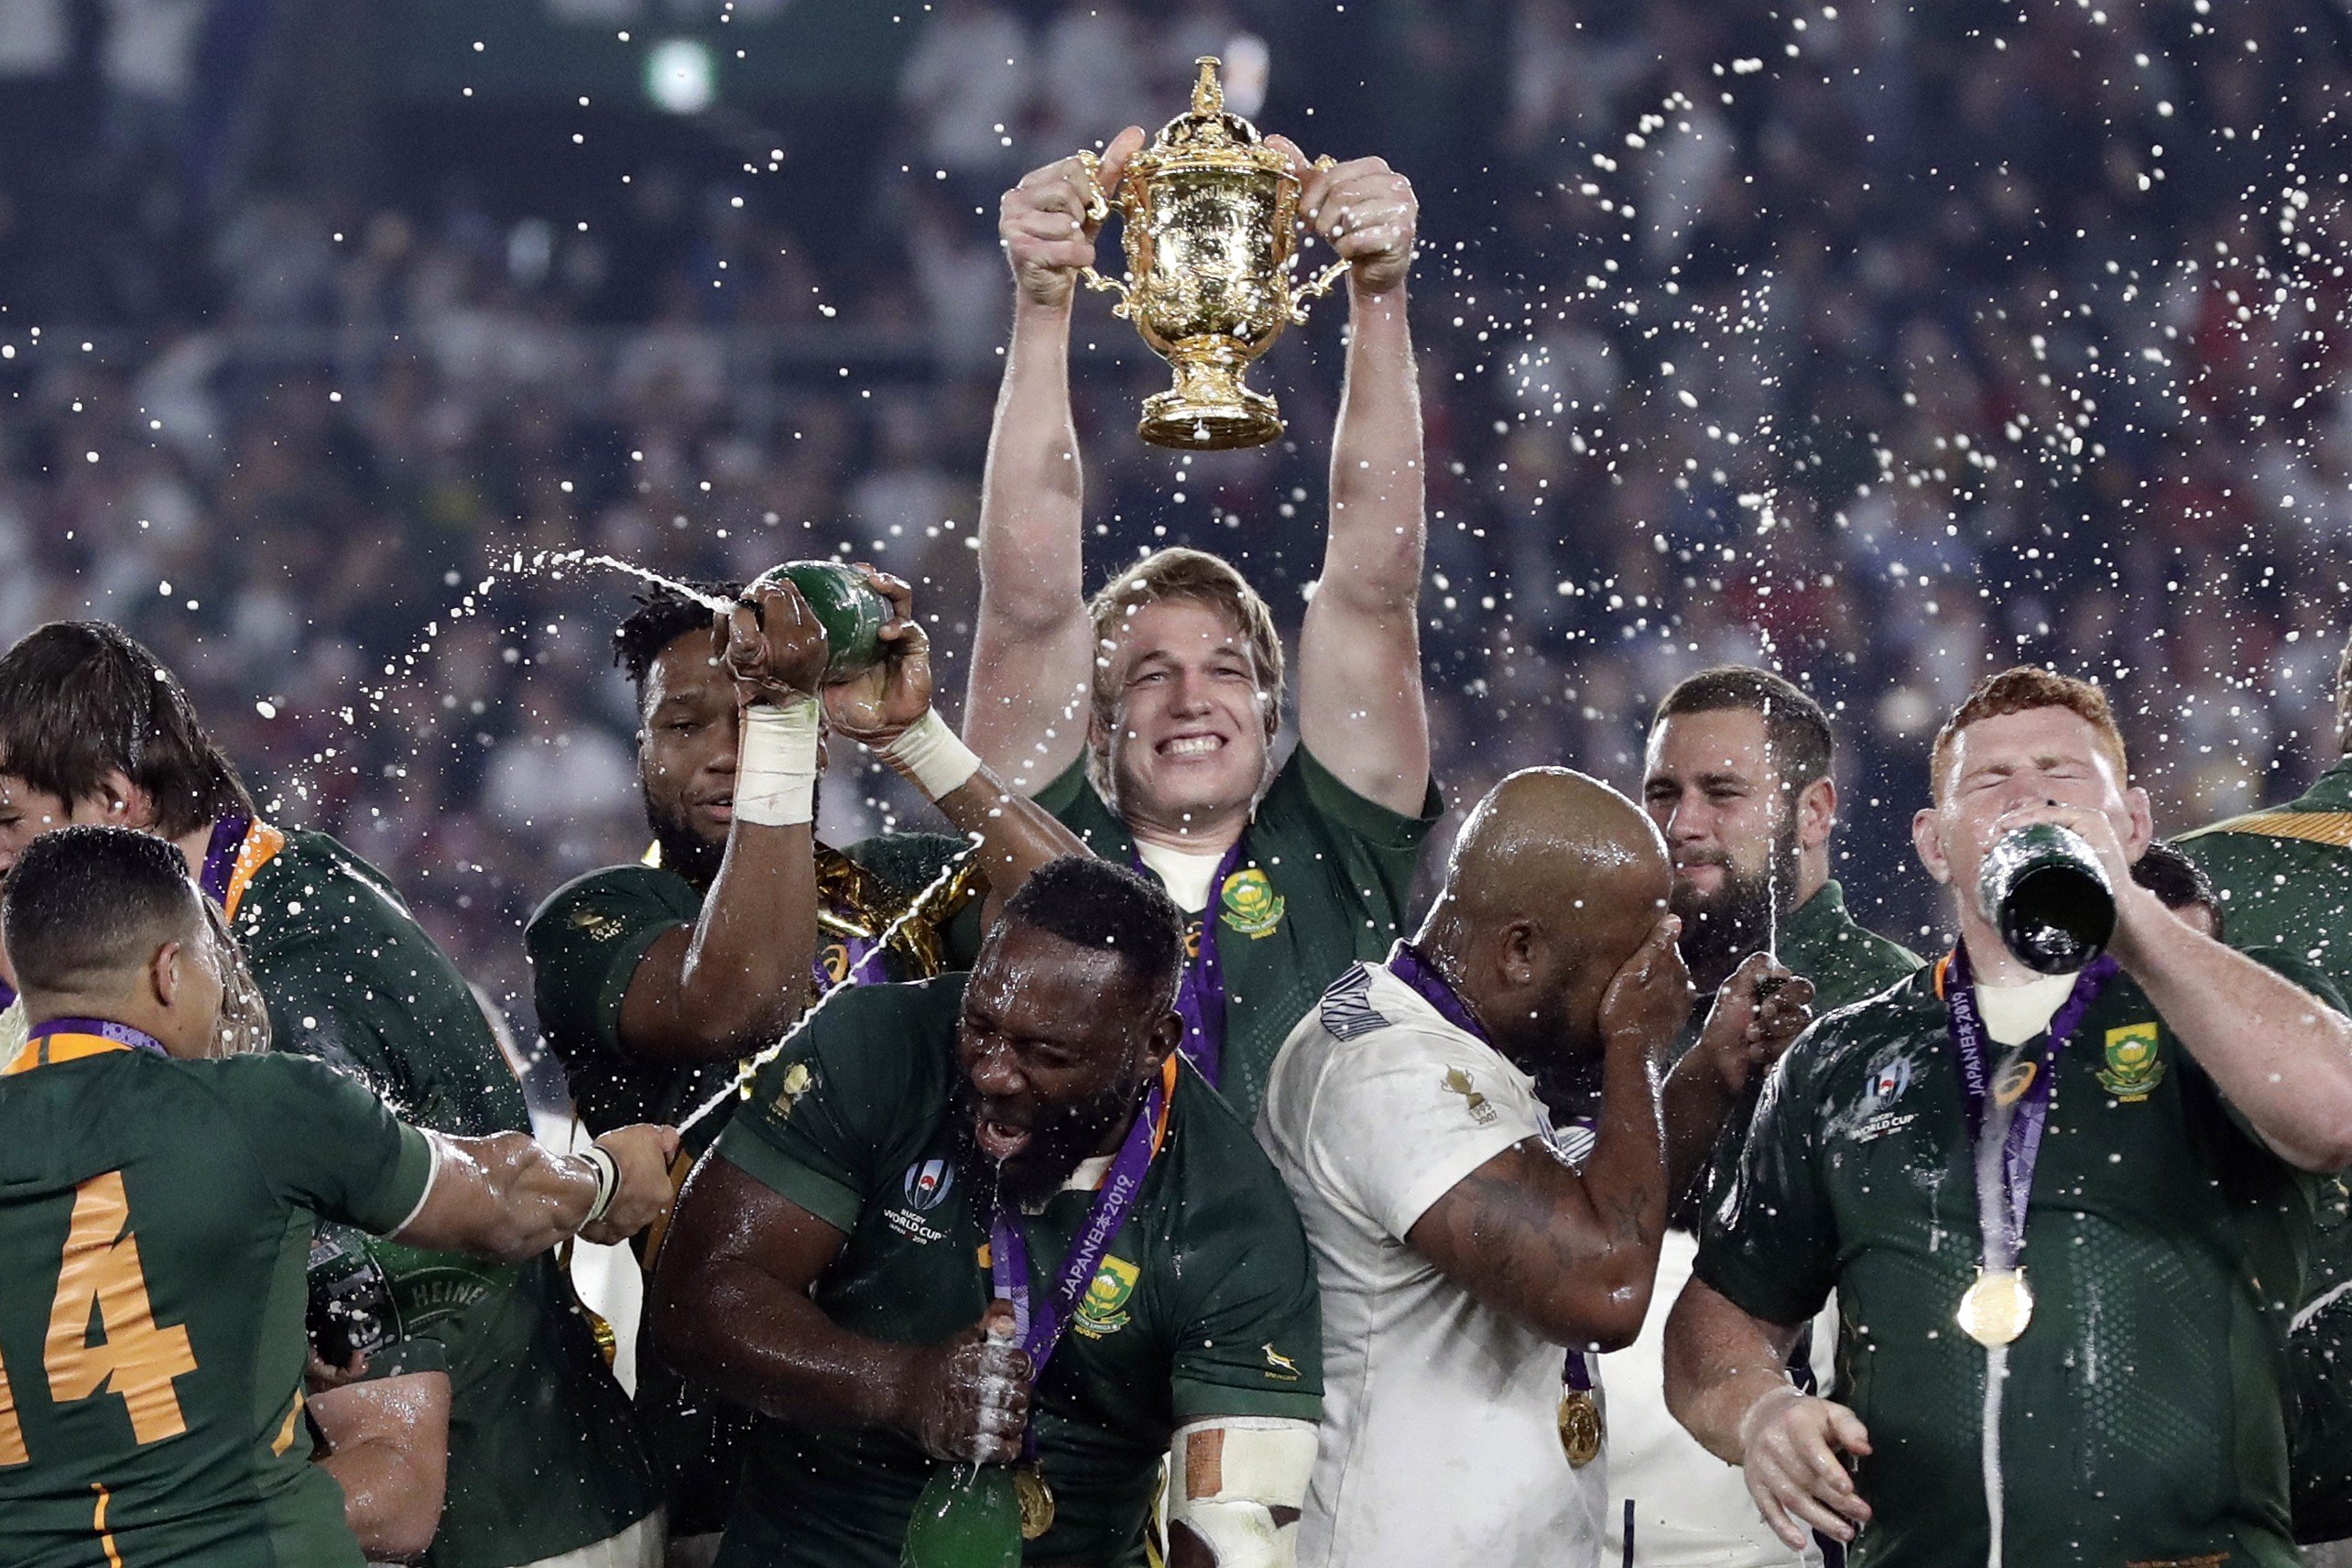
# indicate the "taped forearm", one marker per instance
pixel 776 766
pixel 1237 1482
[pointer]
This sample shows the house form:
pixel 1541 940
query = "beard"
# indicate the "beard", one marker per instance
pixel 1723 927
pixel 1059 1142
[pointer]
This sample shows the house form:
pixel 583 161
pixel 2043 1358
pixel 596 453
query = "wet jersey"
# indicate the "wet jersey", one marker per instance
pixel 585 943
pixel 2143 1415
pixel 156 1215
pixel 1323 882
pixel 1205 1305
pixel 543 1451
pixel 2285 880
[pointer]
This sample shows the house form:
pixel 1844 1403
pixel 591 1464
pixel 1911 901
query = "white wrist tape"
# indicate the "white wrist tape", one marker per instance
pixel 1225 1479
pixel 776 767
pixel 608 1181
pixel 932 754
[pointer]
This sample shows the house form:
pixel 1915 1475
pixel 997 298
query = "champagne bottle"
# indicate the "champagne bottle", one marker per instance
pixel 968 1517
pixel 2045 891
pixel 849 609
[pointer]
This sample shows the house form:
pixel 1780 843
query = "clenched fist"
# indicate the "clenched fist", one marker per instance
pixel 1048 223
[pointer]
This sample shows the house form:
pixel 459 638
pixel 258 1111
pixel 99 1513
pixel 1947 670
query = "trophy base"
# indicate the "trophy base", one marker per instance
pixel 1208 410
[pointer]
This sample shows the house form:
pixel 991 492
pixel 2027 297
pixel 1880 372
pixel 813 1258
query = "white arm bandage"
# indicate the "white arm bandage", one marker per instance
pixel 776 766
pixel 1227 1476
pixel 931 756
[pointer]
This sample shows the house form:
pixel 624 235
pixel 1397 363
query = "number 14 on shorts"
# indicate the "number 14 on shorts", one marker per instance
pixel 99 1275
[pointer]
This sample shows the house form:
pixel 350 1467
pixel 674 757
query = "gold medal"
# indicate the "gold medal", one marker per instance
pixel 1997 1308
pixel 1580 1426
pixel 1036 1499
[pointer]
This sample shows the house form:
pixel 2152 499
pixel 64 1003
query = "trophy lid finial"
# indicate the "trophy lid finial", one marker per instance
pixel 1208 96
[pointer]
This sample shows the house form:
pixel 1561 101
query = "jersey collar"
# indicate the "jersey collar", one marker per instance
pixel 70 1040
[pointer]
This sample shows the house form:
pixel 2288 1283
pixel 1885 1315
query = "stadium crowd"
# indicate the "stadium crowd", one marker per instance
pixel 1677 1115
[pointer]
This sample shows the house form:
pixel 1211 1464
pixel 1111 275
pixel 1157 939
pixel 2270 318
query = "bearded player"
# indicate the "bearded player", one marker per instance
pixel 545 1462
pixel 2066 1216
pixel 1739 776
pixel 654 981
pixel 1145 718
pixel 925 1160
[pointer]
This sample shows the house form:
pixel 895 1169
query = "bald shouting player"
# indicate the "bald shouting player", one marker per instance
pixel 1467 1270
pixel 1145 718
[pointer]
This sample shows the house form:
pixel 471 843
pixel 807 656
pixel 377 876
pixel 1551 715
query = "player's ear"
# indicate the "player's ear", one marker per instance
pixel 164 976
pixel 126 804
pixel 1927 838
pixel 1816 812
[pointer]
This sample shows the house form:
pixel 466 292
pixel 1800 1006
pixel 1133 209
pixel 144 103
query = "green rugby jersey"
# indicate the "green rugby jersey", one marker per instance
pixel 1846 960
pixel 1323 881
pixel 2143 1416
pixel 585 942
pixel 156 1216
pixel 1204 1306
pixel 2285 880
pixel 544 1456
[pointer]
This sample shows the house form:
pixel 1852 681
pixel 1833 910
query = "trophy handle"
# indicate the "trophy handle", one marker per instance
pixel 1315 288
pixel 1098 207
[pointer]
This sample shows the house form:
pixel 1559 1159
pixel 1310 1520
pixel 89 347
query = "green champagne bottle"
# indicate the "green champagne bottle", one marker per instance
pixel 968 1517
pixel 852 613
pixel 2048 895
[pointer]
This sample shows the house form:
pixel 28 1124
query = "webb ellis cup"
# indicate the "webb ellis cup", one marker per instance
pixel 1209 218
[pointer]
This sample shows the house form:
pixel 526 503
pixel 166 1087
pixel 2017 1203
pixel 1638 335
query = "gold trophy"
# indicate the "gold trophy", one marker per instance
pixel 1209 219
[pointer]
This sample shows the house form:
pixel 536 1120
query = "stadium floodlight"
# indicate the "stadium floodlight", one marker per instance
pixel 680 76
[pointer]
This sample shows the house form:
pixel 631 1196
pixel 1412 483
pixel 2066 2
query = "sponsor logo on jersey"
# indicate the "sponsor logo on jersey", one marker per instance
pixel 928 1184
pixel 1457 1082
pixel 1347 1008
pixel 1102 1310
pixel 1251 905
pixel 1573 1145
pixel 1874 1116
pixel 2133 1067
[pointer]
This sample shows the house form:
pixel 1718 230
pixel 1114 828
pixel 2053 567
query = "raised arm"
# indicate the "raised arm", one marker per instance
pixel 731 1308
pixel 507 1197
pixel 386 1444
pixel 1360 707
pixel 736 979
pixel 1727 1383
pixel 1758 1011
pixel 888 710
pixel 1032 663
pixel 1572 1256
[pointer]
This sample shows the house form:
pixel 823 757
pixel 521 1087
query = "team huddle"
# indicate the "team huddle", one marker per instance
pixel 1130 1139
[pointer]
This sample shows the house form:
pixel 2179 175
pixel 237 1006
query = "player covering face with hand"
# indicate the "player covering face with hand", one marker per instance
pixel 156 1200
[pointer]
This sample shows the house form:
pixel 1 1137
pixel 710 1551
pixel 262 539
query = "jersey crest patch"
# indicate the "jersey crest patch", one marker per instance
pixel 1104 1309
pixel 2133 1067
pixel 1874 1116
pixel 599 927
pixel 1346 1009
pixel 797 1079
pixel 1279 1367
pixel 928 1184
pixel 1251 905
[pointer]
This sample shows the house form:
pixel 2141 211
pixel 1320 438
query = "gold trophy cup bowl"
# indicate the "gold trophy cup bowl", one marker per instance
pixel 1209 220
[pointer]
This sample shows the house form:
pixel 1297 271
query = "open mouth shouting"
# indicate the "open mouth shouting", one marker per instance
pixel 997 1138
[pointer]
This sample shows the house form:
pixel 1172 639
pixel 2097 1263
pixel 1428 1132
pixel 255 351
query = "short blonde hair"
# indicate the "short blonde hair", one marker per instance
pixel 1179 573
pixel 2021 690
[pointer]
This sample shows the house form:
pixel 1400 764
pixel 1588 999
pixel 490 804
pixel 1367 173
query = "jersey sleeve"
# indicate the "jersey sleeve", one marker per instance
pixel 819 1110
pixel 328 1145
pixel 1380 849
pixel 1403 1115
pixel 2311 978
pixel 585 943
pixel 1768 1241
pixel 1251 1342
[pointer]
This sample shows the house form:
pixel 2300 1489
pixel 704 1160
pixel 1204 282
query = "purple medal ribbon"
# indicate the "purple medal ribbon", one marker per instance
pixel 1199 996
pixel 1972 1051
pixel 1039 1321
pixel 121 1034
pixel 220 864
pixel 1406 962
pixel 221 857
